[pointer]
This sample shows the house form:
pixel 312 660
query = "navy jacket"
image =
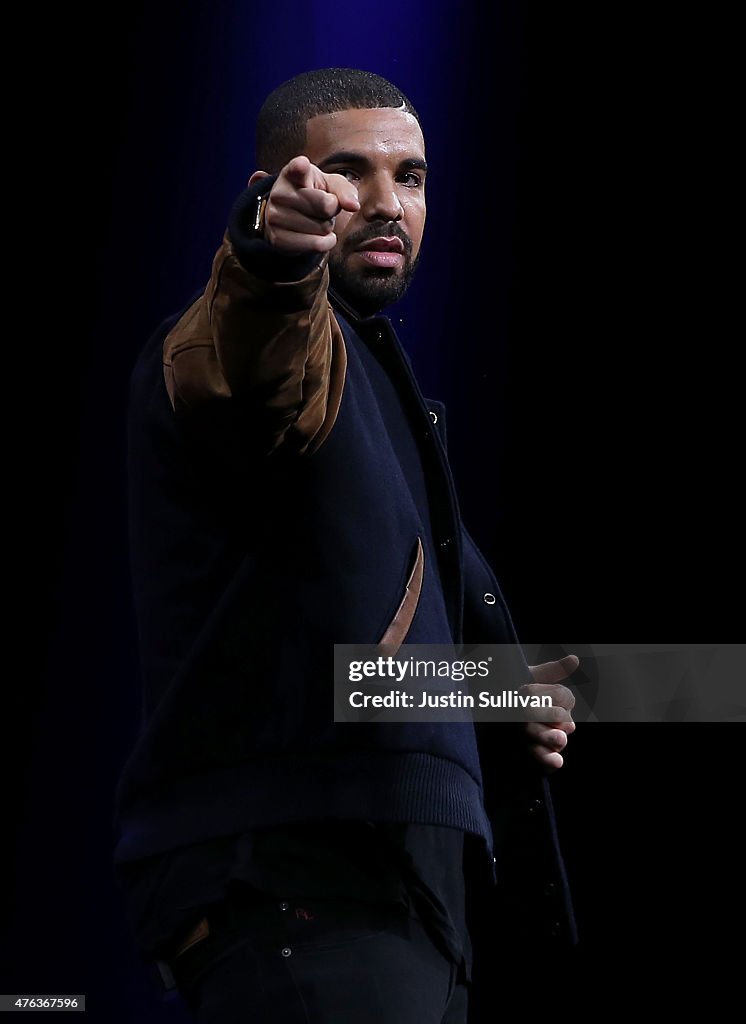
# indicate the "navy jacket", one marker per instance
pixel 290 490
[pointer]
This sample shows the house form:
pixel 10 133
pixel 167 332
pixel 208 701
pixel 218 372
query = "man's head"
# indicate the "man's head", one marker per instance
pixel 357 124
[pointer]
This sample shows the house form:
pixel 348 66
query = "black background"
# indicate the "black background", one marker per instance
pixel 594 430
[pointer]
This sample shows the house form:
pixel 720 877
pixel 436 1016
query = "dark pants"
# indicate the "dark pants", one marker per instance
pixel 318 962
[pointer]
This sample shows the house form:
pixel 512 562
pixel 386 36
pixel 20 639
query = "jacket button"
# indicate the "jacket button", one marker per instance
pixel 489 598
pixel 445 543
pixel 534 806
pixel 433 416
pixel 550 888
pixel 286 951
pixel 284 905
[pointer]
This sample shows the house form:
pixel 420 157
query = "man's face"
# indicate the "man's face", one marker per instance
pixel 382 152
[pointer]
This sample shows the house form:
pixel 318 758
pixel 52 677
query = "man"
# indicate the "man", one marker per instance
pixel 289 491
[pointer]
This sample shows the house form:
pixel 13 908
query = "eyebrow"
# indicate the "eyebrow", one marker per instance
pixel 349 156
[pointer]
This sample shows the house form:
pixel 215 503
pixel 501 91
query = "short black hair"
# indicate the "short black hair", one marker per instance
pixel 281 122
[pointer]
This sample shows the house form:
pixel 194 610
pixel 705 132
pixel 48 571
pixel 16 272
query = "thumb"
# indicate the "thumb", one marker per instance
pixel 344 190
pixel 554 671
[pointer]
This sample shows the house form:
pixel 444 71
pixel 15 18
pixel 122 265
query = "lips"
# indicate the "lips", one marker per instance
pixel 382 245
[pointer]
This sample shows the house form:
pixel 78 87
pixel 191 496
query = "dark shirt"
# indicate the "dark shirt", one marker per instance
pixel 418 866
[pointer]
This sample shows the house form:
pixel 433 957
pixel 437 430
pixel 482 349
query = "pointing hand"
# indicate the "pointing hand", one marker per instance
pixel 303 205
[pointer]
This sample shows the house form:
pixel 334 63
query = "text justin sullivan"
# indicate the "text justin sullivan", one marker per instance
pixel 457 699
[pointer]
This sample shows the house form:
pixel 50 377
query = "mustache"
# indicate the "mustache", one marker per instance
pixel 367 234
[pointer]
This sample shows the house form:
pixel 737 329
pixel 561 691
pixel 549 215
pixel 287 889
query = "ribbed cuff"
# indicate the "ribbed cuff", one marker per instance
pixel 382 786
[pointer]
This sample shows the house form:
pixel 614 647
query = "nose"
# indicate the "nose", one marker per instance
pixel 380 201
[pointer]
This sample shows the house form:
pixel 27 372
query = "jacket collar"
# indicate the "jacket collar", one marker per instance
pixel 349 312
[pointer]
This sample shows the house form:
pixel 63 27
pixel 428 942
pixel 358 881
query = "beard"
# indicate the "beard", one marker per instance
pixel 370 289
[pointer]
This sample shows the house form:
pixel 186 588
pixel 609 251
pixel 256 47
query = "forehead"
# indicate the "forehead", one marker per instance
pixel 385 131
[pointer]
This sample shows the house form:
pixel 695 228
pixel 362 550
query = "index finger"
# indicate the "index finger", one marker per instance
pixel 299 172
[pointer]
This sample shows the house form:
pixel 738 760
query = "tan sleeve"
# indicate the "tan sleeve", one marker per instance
pixel 276 346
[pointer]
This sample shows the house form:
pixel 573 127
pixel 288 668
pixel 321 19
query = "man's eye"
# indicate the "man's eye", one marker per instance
pixel 348 173
pixel 411 180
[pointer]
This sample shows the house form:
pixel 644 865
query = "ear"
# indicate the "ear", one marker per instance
pixel 257 175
